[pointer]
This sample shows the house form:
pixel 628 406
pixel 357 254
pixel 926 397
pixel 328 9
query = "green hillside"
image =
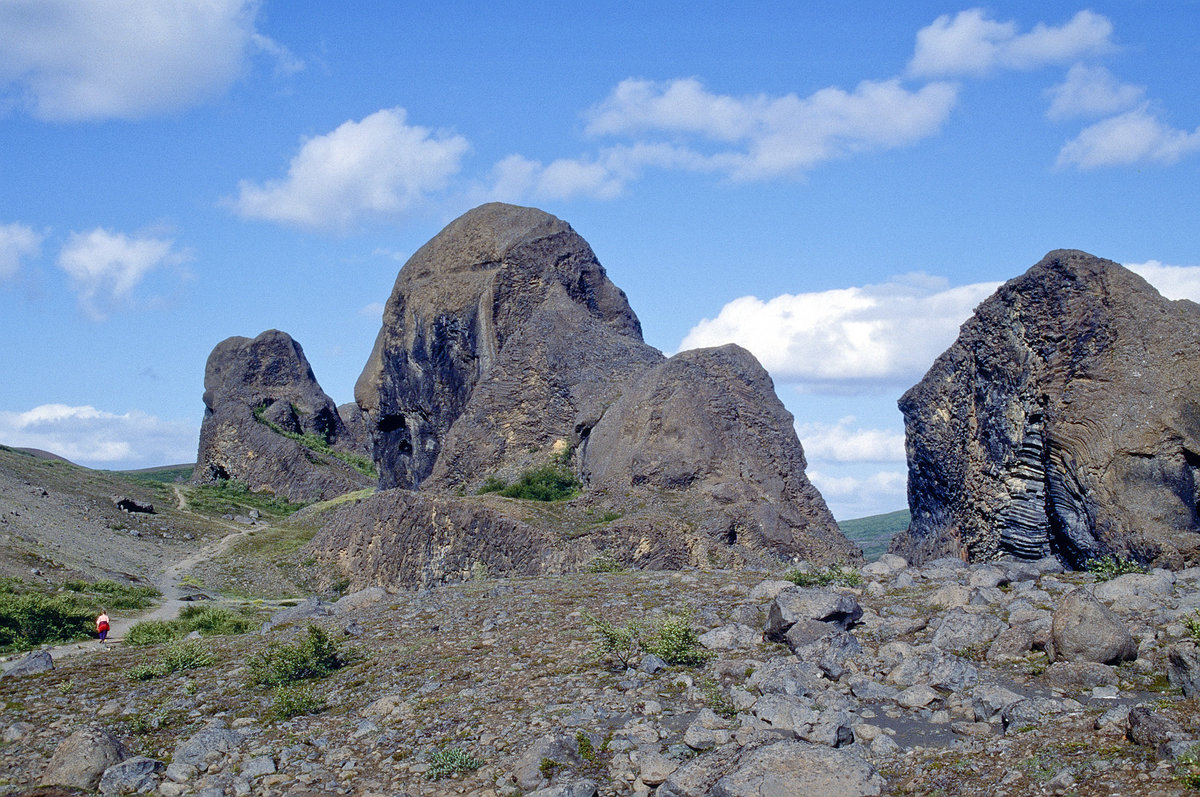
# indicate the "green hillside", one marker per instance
pixel 873 533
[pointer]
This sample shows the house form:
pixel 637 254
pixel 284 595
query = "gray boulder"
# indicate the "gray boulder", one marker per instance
pixel 960 630
pixel 81 759
pixel 214 739
pixel 30 664
pixel 1060 422
pixel 138 775
pixel 307 609
pixel 261 401
pixel 823 644
pixel 1183 668
pixel 798 603
pixel 781 768
pixel 1083 629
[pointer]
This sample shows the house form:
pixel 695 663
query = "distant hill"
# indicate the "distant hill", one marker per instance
pixel 163 473
pixel 873 533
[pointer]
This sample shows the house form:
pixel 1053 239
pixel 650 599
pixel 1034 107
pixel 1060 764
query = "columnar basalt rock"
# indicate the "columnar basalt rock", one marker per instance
pixel 1063 421
pixel 505 347
pixel 263 413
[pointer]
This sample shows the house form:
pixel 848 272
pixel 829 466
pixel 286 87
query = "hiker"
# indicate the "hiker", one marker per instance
pixel 102 625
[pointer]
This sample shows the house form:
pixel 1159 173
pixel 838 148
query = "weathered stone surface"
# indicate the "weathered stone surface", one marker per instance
pixel 799 603
pixel 30 664
pixel 505 347
pixel 787 767
pixel 254 392
pixel 138 775
pixel 960 630
pixel 80 760
pixel 1183 668
pixel 1083 629
pixel 1062 421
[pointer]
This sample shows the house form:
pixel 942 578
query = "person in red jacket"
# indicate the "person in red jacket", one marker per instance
pixel 102 625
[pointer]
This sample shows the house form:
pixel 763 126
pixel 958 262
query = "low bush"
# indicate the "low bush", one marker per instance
pixel 1192 624
pixel 672 640
pixel 675 642
pixel 448 761
pixel 112 595
pixel 834 574
pixel 34 618
pixel 185 655
pixel 315 656
pixel 292 700
pixel 617 644
pixel 1110 566
pixel 604 563
pixel 152 632
pixel 548 483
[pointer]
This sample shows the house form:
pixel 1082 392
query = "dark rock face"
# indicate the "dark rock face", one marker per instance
pixel 256 392
pixel 1063 421
pixel 505 346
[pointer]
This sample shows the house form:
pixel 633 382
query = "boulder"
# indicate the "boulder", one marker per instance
pixel 960 630
pixel 1062 421
pixel 30 664
pixel 801 603
pixel 1084 629
pixel 267 423
pixel 785 767
pixel 81 759
pixel 1183 668
pixel 138 775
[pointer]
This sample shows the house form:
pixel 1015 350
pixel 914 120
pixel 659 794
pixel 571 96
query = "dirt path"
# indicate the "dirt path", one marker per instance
pixel 168 583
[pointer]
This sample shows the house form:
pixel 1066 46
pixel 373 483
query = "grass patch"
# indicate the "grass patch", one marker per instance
pixel 233 497
pixel 207 620
pixel 604 563
pixel 184 655
pixel 292 700
pixel 318 444
pixel 109 594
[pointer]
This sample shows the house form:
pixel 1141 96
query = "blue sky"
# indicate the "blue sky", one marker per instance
pixel 834 186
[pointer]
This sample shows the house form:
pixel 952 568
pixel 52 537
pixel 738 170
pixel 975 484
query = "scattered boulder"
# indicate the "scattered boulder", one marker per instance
pixel 132 505
pixel 1183 668
pixel 1084 629
pixel 137 775
pixel 267 423
pixel 800 603
pixel 1060 422
pixel 307 609
pixel 786 767
pixel 81 759
pixel 30 664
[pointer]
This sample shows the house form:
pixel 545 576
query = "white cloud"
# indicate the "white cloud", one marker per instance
pixel 96 438
pixel 1091 91
pixel 17 242
pixel 1137 136
pixel 71 60
pixel 1173 282
pixel 604 176
pixel 851 496
pixel 104 267
pixel 761 137
pixel 970 43
pixel 850 339
pixel 844 442
pixel 379 167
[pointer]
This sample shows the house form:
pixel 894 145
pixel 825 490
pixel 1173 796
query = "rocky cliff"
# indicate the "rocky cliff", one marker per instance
pixel 506 348
pixel 268 423
pixel 1062 421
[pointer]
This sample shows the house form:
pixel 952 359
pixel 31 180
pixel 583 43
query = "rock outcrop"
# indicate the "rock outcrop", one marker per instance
pixel 1063 421
pixel 504 348
pixel 268 423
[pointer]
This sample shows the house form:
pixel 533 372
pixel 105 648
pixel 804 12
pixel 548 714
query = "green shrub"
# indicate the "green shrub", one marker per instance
pixel 716 699
pixel 319 444
pixel 620 644
pixel 548 483
pixel 292 700
pixel 143 672
pixel 186 655
pixel 34 618
pixel 604 563
pixel 1192 624
pixel 1110 566
pixel 675 642
pixel 448 761
pixel 493 484
pixel 834 574
pixel 152 632
pixel 112 595
pixel 315 656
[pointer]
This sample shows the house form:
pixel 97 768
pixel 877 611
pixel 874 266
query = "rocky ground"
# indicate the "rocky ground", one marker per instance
pixel 941 686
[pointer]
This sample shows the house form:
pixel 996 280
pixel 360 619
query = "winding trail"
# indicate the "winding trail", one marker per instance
pixel 167 582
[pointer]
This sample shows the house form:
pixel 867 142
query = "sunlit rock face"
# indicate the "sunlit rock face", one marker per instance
pixel 1064 420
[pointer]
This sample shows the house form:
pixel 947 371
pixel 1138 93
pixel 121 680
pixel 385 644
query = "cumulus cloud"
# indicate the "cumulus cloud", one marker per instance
pixel 851 496
pixel 1137 136
pixel 95 438
pixel 845 442
pixel 971 43
pixel 849 339
pixel 104 267
pixel 65 60
pixel 1091 91
pixel 379 167
pixel 761 137
pixel 17 242
pixel 1173 282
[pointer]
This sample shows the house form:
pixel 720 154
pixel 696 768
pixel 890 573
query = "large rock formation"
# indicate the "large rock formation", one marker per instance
pixel 1064 420
pixel 268 423
pixel 505 347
